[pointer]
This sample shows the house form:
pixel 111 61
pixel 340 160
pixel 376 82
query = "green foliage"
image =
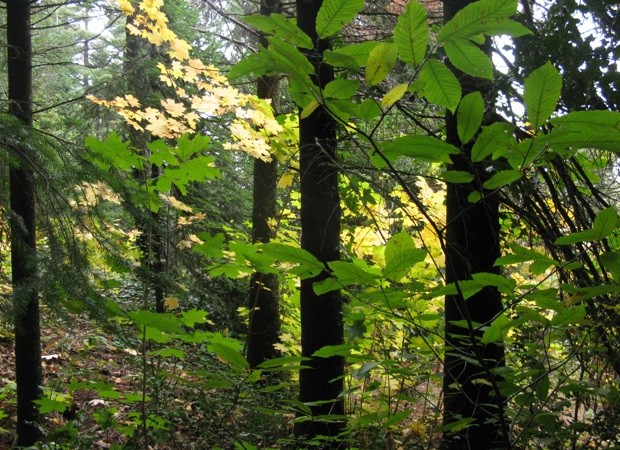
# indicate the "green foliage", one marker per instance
pixel 335 14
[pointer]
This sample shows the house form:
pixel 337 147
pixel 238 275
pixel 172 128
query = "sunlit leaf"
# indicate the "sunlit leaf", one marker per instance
pixel 381 61
pixel 440 85
pixel 411 33
pixel 469 116
pixel 335 14
pixel 541 93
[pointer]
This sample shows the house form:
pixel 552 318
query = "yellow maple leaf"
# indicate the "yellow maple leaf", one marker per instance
pixel 171 303
pixel 173 108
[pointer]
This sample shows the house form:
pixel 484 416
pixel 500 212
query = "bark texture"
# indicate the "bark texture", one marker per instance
pixel 472 246
pixel 321 315
pixel 28 372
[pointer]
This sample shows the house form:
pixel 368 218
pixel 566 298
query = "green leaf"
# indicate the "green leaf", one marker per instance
pixel 506 27
pixel 440 85
pixel 229 355
pixel 611 263
pixel 277 25
pixel 349 273
pixel 341 89
pixel 497 136
pixel 398 243
pixel 398 265
pixel 604 224
pixel 569 315
pixel 352 56
pixel 193 316
pixel 469 58
pixel 308 265
pixel 48 405
pixel 502 179
pixel 476 18
pixel 368 109
pixel 288 59
pixel 188 146
pixel 113 151
pixel 334 350
pixel 469 116
pixel 254 64
pixel 589 122
pixel 411 33
pixel 456 176
pixel 505 285
pixel 394 94
pixel 381 61
pixel 425 148
pixel 474 197
pixel 541 93
pixel 335 14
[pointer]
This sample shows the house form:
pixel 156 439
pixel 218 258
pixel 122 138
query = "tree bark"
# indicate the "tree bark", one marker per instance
pixel 264 323
pixel 28 371
pixel 472 246
pixel 321 315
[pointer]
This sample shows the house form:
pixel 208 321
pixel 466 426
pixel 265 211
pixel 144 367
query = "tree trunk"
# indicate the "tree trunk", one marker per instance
pixel 321 315
pixel 28 372
pixel 264 323
pixel 472 246
pixel 152 241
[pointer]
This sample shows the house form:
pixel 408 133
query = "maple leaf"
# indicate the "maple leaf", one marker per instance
pixel 173 108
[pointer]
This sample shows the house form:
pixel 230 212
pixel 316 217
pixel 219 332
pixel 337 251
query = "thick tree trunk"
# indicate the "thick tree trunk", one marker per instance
pixel 264 324
pixel 28 372
pixel 472 246
pixel 321 315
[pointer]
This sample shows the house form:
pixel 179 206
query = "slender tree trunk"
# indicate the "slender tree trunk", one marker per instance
pixel 264 324
pixel 28 372
pixel 152 241
pixel 472 246
pixel 321 315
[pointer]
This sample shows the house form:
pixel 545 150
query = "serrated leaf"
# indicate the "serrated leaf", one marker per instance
pixel 589 122
pixel 334 350
pixel 349 273
pixel 569 315
pixel 335 14
pixel 425 148
pixel 492 138
pixel 188 146
pixel 381 61
pixel 411 33
pixel 288 59
pixel 229 355
pixel 254 64
pixel 456 176
pixel 352 56
pixel 308 265
pixel 394 94
pixel 469 116
pixel 369 109
pixel 507 27
pixel 475 18
pixel 611 263
pixel 277 25
pixel 398 266
pixel 605 222
pixel 309 109
pixel 502 178
pixel 469 58
pixel 113 151
pixel 341 89
pixel 398 243
pixel 441 86
pixel 541 94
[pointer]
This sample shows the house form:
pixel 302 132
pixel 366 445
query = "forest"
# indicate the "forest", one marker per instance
pixel 320 224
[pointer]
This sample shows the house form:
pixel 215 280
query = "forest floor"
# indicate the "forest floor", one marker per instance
pixel 93 389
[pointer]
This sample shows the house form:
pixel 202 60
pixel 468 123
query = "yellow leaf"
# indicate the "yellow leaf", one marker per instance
pixel 418 429
pixel 171 303
pixel 394 94
pixel 309 109
pixel 286 180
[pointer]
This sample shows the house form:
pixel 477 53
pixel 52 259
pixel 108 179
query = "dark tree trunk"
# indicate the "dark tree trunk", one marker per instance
pixel 472 246
pixel 152 241
pixel 321 315
pixel 264 324
pixel 28 372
